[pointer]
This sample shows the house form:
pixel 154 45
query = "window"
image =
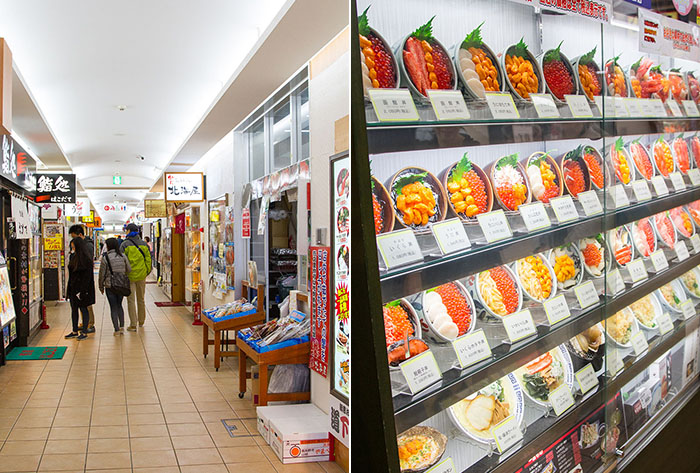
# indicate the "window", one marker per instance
pixel 281 135
pixel 256 150
pixel 304 123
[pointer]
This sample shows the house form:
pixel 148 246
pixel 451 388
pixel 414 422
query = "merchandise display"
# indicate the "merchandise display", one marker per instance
pixel 193 253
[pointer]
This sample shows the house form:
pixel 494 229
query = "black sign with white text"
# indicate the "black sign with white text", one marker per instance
pixel 55 188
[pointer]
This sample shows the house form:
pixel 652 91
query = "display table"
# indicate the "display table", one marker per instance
pixel 236 323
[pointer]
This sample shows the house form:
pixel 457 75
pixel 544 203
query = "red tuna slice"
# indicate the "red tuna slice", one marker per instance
pixel 419 71
pixel 414 71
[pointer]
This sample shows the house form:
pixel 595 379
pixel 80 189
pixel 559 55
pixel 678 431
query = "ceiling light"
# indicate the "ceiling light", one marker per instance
pixel 120 134
pixel 121 108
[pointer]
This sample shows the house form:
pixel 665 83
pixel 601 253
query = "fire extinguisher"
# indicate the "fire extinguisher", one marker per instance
pixel 197 312
pixel 44 325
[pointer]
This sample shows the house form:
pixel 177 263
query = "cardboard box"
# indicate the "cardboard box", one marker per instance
pixel 300 440
pixel 300 411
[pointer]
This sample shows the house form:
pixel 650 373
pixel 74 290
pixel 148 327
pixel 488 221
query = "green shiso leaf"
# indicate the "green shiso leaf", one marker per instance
pixel 395 303
pixel 406 180
pixel 619 144
pixel 588 57
pixel 473 39
pixel 635 66
pixel 520 49
pixel 656 69
pixel 463 166
pixel 677 70
pixel 510 160
pixel 363 23
pixel 575 154
pixel 537 160
pixel 425 32
pixel 553 54
pixel 612 63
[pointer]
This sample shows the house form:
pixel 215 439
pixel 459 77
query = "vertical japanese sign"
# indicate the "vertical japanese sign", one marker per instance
pixel 55 188
pixel 23 277
pixel 20 220
pixel 245 222
pixel 17 165
pixel 180 223
pixel 320 308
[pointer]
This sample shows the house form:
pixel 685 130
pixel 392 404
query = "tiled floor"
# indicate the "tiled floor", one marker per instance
pixel 145 402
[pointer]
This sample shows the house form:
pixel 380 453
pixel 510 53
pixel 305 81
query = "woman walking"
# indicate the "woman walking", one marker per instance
pixel 81 285
pixel 113 276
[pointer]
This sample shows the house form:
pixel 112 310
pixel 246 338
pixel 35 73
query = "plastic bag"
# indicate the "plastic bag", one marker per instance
pixel 284 307
pixel 289 379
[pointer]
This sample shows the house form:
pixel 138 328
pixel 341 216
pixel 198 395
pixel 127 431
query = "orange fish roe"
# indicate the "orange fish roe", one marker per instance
pixel 457 307
pixel 396 323
pixel 478 190
pixel 573 175
pixel 378 221
pixel 506 286
pixel 594 169
pixel 591 255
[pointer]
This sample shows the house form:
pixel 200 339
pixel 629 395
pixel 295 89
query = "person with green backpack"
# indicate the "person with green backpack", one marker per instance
pixel 139 255
pixel 113 280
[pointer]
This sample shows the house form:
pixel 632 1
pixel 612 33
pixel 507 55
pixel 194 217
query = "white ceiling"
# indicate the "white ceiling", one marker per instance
pixel 165 60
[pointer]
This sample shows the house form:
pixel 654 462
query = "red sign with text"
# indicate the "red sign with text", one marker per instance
pixel 320 309
pixel 245 222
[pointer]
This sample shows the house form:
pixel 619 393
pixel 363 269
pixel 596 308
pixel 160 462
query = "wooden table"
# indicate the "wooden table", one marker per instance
pixel 288 355
pixel 237 323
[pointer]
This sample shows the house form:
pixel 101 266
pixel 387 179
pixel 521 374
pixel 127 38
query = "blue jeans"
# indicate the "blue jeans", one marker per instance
pixel 115 308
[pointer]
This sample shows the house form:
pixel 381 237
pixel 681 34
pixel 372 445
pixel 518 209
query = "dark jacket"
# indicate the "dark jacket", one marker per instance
pixel 91 246
pixel 81 281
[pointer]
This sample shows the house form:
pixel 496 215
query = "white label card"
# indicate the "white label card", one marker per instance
pixel 586 378
pixel 545 106
pixel 399 248
pixel 578 104
pixel 675 109
pixel 494 225
pixel 445 466
pixel 694 175
pixel 658 109
pixel 682 251
pixel 556 309
pixel 502 106
pixel 677 181
pixel 690 108
pixel 420 371
pixel 637 270
pixel 634 107
pixel 448 104
pixel 615 282
pixel 590 203
pixel 564 209
pixel 507 433
pixel 660 186
pixel 519 325
pixel 619 196
pixel 451 236
pixel 561 399
pixel 695 240
pixel 639 343
pixel 620 108
pixel 641 190
pixel 606 107
pixel 613 360
pixel 688 308
pixel 586 294
pixel 658 259
pixel 648 108
pixel 393 105
pixel 535 216
pixel 665 323
pixel 471 348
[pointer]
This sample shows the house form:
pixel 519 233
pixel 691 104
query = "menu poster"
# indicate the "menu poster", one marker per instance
pixel 320 308
pixel 7 307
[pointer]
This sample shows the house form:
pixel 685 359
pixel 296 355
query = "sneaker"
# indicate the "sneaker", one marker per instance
pixel 72 335
pixel 91 329
pixel 82 336
pixel 131 328
pixel 117 332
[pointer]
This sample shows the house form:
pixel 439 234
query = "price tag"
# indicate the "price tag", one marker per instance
pixel 590 203
pixel 615 282
pixel 677 181
pixel 637 270
pixel 634 107
pixel 564 209
pixel 682 251
pixel 420 371
pixel 690 108
pixel 556 309
pixel 641 190
pixel 639 343
pixel 502 106
pixel 545 106
pixel 694 175
pixel 675 109
pixel 660 186
pixel 695 240
pixel 451 236
pixel 606 107
pixel 665 323
pixel 399 248
pixel 586 378
pixel 688 308
pixel 448 104
pixel 657 108
pixel 471 348
pixel 519 325
pixel 494 225
pixel 535 216
pixel 619 196
pixel 620 108
pixel 561 399
pixel 586 294
pixel 578 104
pixel 649 110
pixel 613 361
pixel 445 466
pixel 393 105
pixel 658 259
pixel 506 433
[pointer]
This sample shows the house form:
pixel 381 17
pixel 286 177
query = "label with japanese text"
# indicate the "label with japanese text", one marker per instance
pixel 613 361
pixel 615 282
pixel 634 107
pixel 421 371
pixel 641 190
pixel 506 433
pixel 677 181
pixel 586 294
pixel 690 108
pixel 399 248
pixel 519 325
pixel 660 186
pixel 694 175
pixel 535 216
pixel 665 323
pixel 445 466
pixel 561 399
pixel 494 225
pixel 448 104
pixel 675 109
pixel 590 203
pixel 393 105
pixel 578 104
pixel 695 240
pixel 586 378
pixel 682 251
pixel 619 196
pixel 545 106
pixel 556 309
pixel 502 105
pixel 471 348
pixel 637 270
pixel 639 343
pixel 451 236
pixel 688 308
pixel 658 259
pixel 564 209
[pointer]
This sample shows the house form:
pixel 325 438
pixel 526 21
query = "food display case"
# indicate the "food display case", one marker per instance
pixel 193 255
pixel 527 229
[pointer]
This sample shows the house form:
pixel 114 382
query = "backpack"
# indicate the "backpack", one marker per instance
pixel 120 281
pixel 144 256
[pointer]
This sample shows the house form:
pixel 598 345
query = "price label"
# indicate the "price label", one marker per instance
pixel 639 343
pixel 613 361
pixel 506 433
pixel 494 225
pixel 665 323
pixel 649 110
pixel 657 108
pixel 607 106
pixel 586 294
pixel 399 248
pixel 420 371
pixel 590 203
pixel 690 108
pixel 578 104
pixel 660 186
pixel 694 175
pixel 519 325
pixel 682 251
pixel 556 309
pixel 688 309
pixel 445 466
pixel 561 399
pixel 695 240
pixel 634 107
pixel 586 378
pixel 658 259
pixel 535 216
pixel 471 348
pixel 677 181
pixel 502 106
pixel 637 270
pixel 675 109
pixel 393 105
pixel 615 282
pixel 641 190
pixel 619 196
pixel 620 108
pixel 545 106
pixel 448 104
pixel 451 236
pixel 564 209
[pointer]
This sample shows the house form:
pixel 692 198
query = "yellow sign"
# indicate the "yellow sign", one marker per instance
pixel 154 208
pixel 214 216
pixel 90 218
pixel 53 244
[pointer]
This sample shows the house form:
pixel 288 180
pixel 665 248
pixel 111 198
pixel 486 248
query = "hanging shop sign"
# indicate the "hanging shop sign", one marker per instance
pixel 245 222
pixel 17 166
pixel 50 211
pixel 20 226
pixel 184 186
pixel 96 223
pixel 81 208
pixel 320 308
pixel 55 188
pixel 115 207
pixel 659 34
pixel 88 218
pixel 154 208
pixel 180 223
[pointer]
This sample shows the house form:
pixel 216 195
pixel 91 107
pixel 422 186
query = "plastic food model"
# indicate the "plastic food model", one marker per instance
pixel 557 74
pixel 679 91
pixel 587 342
pixel 484 409
pixel 693 87
pixel 377 62
pixel 427 63
pixel 621 244
pixel 478 69
pixel 535 277
pixel 643 309
pixel 498 291
pixel 543 375
pixel 509 183
pixel 695 147
pixel 397 325
pixel 377 209
pixel 664 229
pixel 543 179
pixel 419 448
pixel 615 78
pixel 690 281
pixel 644 237
pixel 588 75
pixel 448 310
pixel 694 209
pixel 415 201
pixel 573 172
pixel 520 70
pixel 593 252
pixel 641 159
pixel 663 157
pixel 620 162
pixel 668 292
pixel 567 265
pixel 619 326
pixel 647 80
pixel 595 166
pixel 681 220
pixel 467 190
pixel 680 148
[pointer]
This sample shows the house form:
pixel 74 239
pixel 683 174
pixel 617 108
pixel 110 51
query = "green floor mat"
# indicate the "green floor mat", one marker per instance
pixel 36 353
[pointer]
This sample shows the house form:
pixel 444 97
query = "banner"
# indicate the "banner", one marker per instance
pixel 81 208
pixel 154 208
pixel 20 219
pixel 55 188
pixel 659 34
pixel 245 222
pixel 320 308
pixel 17 166
pixel 184 186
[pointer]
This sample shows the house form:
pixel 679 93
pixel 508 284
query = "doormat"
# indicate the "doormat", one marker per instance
pixel 168 304
pixel 151 282
pixel 36 353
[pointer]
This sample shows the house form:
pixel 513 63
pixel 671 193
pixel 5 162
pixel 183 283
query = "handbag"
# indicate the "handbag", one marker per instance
pixel 120 281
